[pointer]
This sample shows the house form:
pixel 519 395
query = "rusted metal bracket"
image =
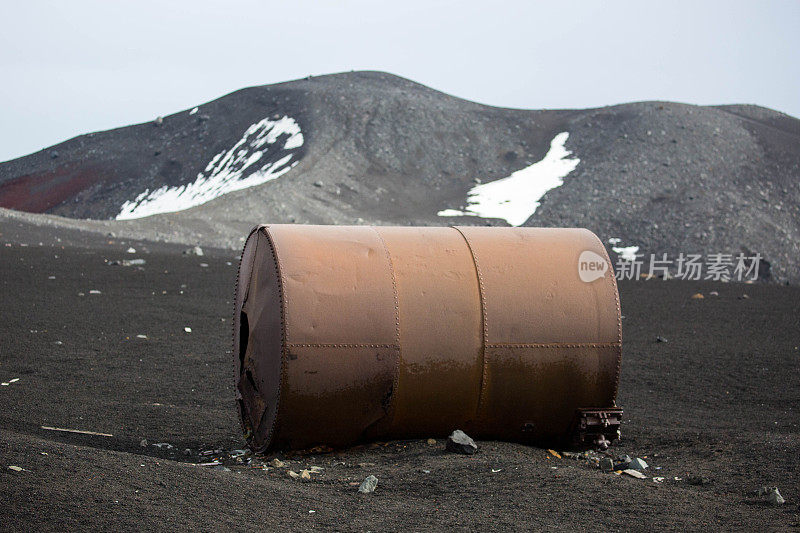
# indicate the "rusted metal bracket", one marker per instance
pixel 596 427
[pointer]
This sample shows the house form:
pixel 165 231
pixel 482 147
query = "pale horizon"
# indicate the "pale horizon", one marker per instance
pixel 91 66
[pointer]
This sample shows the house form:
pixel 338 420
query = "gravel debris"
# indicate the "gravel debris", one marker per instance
pixel 368 485
pixel 460 442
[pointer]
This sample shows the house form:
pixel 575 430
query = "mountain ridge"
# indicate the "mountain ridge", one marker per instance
pixel 380 149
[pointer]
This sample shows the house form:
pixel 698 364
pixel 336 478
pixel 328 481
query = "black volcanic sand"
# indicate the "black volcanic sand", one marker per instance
pixel 719 400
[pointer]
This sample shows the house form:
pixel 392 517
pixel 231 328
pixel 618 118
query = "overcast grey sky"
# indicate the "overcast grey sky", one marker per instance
pixel 79 66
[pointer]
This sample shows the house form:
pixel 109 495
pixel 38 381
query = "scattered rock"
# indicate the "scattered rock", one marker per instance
pixel 775 498
pixel 637 464
pixel 368 485
pixel 206 453
pixel 318 184
pixel 772 495
pixel 131 250
pixel 143 444
pixel 661 339
pixel 623 463
pixel 141 337
pixel 744 297
pixel 127 262
pixel 697 296
pixel 222 468
pixel 95 291
pixel 159 121
pixel 460 442
pixel 305 475
pixel 431 442
pixel 698 480
pixel 634 473
pixel 277 463
pixel 713 293
pixel 292 474
pixel 606 464
pixel 193 251
pixel 187 329
pixel 554 454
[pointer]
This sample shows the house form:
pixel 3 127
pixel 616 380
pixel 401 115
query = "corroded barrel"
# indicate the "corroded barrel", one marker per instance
pixel 351 333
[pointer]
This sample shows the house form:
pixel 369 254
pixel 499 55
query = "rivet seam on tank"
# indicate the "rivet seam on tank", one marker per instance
pixel 485 343
pixel 252 265
pixel 284 333
pixel 338 345
pixel 399 355
pixel 612 281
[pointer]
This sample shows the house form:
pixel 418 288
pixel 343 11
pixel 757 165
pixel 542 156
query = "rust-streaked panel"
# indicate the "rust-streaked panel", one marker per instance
pixel 440 370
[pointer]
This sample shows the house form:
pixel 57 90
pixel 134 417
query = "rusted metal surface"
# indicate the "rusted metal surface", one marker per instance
pixel 343 334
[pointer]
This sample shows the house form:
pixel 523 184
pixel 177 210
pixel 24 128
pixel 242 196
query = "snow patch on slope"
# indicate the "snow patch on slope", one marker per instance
pixel 626 253
pixel 250 162
pixel 516 197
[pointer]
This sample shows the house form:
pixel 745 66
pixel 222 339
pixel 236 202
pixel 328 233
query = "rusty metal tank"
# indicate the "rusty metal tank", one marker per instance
pixel 350 333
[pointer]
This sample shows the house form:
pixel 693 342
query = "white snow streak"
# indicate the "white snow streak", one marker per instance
pixel 193 111
pixel 626 253
pixel 516 197
pixel 228 171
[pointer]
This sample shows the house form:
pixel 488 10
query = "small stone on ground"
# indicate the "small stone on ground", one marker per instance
pixel 634 473
pixel 460 442
pixel 772 495
pixel 637 464
pixel 368 485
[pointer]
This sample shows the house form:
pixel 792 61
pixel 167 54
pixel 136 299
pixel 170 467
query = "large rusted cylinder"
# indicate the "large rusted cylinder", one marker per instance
pixel 343 334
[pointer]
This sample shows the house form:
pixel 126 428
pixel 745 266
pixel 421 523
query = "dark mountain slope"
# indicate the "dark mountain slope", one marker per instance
pixel 380 149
